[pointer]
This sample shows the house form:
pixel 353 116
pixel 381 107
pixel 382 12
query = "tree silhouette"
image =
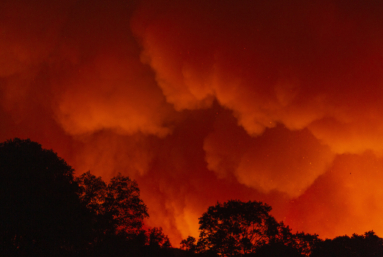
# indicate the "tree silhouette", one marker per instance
pixel 367 245
pixel 40 213
pixel 302 243
pixel 305 243
pixel 236 227
pixel 156 238
pixel 112 235
pixel 117 206
pixel 189 244
pixel 46 212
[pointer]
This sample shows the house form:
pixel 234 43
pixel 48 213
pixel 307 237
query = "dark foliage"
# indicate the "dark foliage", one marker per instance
pixel 276 249
pixel 117 207
pixel 41 214
pixel 367 245
pixel 157 239
pixel 236 227
pixel 305 243
pixel 189 244
pixel 46 212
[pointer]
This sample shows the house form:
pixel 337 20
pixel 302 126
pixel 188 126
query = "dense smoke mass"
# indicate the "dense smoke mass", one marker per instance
pixel 205 101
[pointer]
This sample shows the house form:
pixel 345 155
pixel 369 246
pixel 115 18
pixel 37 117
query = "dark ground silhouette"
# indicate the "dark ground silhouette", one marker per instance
pixel 46 211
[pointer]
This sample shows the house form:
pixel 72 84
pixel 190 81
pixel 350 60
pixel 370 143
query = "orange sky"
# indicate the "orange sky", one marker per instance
pixel 205 101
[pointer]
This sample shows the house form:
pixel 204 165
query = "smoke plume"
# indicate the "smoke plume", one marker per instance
pixel 205 101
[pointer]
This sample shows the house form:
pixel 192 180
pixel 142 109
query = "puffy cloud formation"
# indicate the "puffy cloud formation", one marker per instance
pixel 205 101
pixel 283 160
pixel 302 64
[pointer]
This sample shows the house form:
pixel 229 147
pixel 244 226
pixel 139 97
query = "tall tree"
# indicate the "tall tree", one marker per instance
pixel 236 227
pixel 40 213
pixel 118 206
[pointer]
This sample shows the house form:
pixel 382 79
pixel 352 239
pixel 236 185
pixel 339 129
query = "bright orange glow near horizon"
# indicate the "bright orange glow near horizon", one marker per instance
pixel 205 101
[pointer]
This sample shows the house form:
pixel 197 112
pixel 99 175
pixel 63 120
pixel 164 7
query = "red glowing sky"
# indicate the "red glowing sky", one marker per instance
pixel 206 101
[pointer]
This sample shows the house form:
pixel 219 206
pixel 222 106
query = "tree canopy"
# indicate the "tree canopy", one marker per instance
pixel 118 206
pixel 236 227
pixel 40 212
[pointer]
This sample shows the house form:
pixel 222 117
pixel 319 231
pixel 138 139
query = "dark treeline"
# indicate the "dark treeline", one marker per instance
pixel 47 211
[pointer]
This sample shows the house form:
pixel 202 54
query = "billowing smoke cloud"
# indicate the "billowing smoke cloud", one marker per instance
pixel 283 160
pixel 350 188
pixel 205 101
